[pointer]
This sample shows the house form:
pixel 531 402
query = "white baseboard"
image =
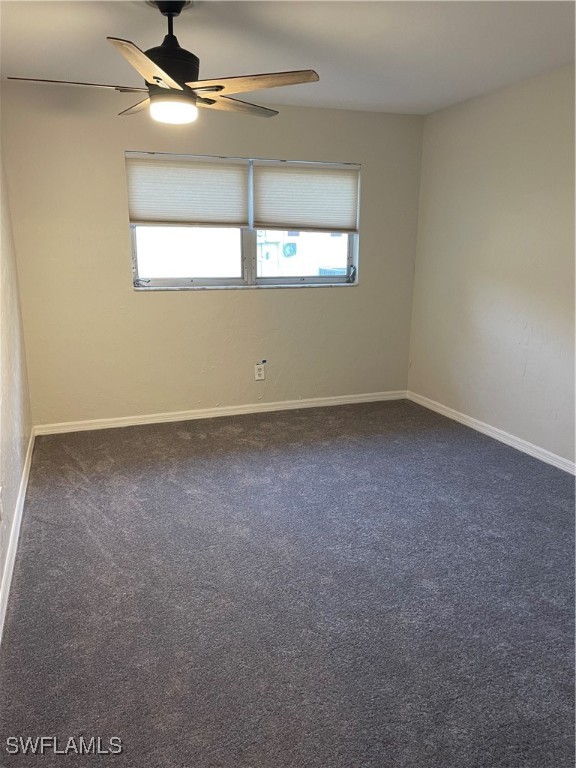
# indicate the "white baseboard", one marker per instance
pixel 497 434
pixel 210 413
pixel 14 535
pixel 313 402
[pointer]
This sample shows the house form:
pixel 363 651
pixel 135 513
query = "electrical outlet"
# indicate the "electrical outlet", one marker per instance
pixel 259 372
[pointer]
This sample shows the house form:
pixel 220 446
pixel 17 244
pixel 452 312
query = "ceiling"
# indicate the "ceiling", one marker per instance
pixel 404 57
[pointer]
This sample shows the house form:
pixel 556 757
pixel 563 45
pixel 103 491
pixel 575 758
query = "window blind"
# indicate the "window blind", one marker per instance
pixel 183 189
pixel 307 196
pixel 187 190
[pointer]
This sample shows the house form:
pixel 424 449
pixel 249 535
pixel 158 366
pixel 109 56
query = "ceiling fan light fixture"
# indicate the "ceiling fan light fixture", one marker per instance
pixel 171 80
pixel 173 109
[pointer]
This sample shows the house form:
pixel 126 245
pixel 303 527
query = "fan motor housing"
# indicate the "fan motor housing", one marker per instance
pixel 177 62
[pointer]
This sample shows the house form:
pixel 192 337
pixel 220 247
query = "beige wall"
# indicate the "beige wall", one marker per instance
pixel 97 349
pixel 14 406
pixel 493 317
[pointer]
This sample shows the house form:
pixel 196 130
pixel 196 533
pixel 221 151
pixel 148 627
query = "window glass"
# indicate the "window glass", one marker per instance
pixel 301 254
pixel 188 252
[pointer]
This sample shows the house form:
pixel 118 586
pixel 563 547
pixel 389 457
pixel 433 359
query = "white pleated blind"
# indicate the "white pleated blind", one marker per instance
pixel 308 197
pixel 208 190
pixel 188 190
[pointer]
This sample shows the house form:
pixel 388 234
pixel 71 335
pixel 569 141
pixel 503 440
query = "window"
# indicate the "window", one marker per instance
pixel 201 222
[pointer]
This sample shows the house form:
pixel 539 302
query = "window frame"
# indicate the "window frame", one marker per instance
pixel 249 252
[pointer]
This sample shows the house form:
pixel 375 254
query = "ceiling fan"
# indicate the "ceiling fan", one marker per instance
pixel 173 90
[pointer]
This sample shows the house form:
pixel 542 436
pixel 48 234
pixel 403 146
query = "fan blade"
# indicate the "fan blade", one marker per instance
pixel 254 82
pixel 234 105
pixel 136 107
pixel 149 70
pixel 121 88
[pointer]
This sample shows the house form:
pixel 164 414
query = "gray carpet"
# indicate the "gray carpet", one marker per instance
pixel 367 586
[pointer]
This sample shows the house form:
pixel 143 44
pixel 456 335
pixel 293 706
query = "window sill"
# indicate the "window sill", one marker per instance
pixel 147 289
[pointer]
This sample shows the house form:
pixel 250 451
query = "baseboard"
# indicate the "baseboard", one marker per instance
pixel 210 413
pixel 313 402
pixel 497 434
pixel 14 535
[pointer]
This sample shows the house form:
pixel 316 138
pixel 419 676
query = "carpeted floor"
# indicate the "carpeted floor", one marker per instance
pixel 367 586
